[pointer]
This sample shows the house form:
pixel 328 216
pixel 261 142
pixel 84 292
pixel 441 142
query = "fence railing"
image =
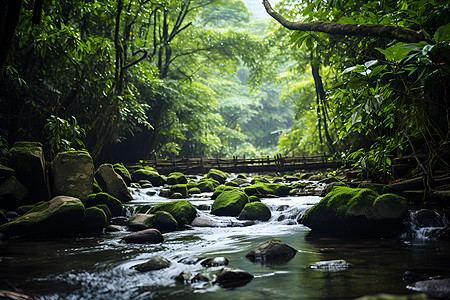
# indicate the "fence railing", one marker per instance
pixel 236 164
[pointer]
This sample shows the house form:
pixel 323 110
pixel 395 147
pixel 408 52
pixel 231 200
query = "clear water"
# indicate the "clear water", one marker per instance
pixel 100 267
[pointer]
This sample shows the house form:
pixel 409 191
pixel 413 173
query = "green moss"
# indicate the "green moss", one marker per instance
pixel 94 220
pixel 152 176
pixel 297 185
pixel 182 210
pixel 191 184
pixel 139 222
pixel 96 188
pixel 176 178
pixel 220 189
pixel 207 184
pixel 106 210
pixel 261 188
pixel 218 175
pixel 255 211
pixel 123 172
pixel 114 205
pixel 179 188
pixel 389 206
pixel 243 176
pixel 253 199
pixel 26 208
pixel 229 203
pixel 260 179
pixel 194 190
pixel 231 183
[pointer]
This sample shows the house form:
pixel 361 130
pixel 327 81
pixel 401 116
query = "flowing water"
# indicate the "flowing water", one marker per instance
pixel 101 267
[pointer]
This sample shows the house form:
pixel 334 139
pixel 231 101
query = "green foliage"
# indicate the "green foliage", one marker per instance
pixel 63 135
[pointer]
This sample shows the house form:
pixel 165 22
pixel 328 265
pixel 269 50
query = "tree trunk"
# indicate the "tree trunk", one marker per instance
pixel 375 30
pixel 9 17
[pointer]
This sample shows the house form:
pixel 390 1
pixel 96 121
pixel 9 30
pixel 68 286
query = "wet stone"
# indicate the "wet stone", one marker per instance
pixel 215 262
pixel 155 263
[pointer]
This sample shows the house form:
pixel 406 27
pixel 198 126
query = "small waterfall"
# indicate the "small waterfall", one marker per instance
pixel 424 224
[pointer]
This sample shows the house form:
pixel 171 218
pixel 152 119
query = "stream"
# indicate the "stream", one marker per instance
pixel 100 267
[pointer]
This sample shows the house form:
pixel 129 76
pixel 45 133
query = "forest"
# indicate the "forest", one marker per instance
pixel 366 81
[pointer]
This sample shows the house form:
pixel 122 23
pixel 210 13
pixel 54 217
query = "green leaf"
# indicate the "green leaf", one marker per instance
pixel 396 52
pixel 442 34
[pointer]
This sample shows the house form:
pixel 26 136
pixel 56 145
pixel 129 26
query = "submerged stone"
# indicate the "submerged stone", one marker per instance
pixel 272 252
pixel 229 277
pixel 155 263
pixel 151 236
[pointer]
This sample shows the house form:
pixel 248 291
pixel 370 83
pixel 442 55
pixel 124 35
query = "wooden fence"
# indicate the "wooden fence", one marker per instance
pixel 278 163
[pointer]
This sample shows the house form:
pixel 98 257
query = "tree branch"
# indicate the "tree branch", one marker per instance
pixel 375 30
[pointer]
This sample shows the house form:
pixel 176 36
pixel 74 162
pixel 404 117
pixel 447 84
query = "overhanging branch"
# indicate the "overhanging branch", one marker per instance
pixel 375 30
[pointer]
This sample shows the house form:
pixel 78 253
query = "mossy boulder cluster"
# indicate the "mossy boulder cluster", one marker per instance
pixel 182 210
pixel 354 212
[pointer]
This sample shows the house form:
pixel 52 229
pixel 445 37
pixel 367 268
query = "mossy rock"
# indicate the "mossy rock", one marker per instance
pixel 297 185
pixel 61 215
pixel 231 183
pixel 12 193
pixel 255 211
pixel 316 177
pixel 155 263
pixel 191 184
pixel 112 183
pixel 106 210
pixel 176 178
pixel 96 188
pixel 207 184
pixel 27 159
pixel 377 187
pixel 139 222
pixel 94 220
pixel 262 189
pixel 72 174
pixel 21 210
pixel 114 205
pixel 351 211
pixel 194 191
pixel 182 210
pixel 222 188
pixel 152 176
pixel 272 252
pixel 164 222
pixel 331 186
pixel 123 172
pixel 229 203
pixel 254 199
pixel 243 176
pixel 179 188
pixel 217 175
pixel 259 179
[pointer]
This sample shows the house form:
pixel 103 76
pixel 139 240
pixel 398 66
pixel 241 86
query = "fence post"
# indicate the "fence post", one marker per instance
pixel 218 162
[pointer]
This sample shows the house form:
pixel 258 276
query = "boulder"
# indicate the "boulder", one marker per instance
pixel 240 181
pixel 176 196
pixel 112 183
pixel 12 193
pixel 377 187
pixel 114 205
pixel 94 220
pixel 152 176
pixel 330 265
pixel 272 252
pixel 215 262
pixel 72 174
pixel 21 210
pixel 242 176
pixel 435 288
pixel 27 159
pixel 202 221
pixel 176 178
pixel 164 222
pixel 231 183
pixel 255 211
pixel 61 215
pixel 330 187
pixel 179 188
pixel 107 212
pixel 259 179
pixel 140 222
pixel 123 172
pixel 357 212
pixel 254 199
pixel 217 175
pixel 151 236
pixel 194 191
pixel 228 277
pixel 207 184
pixel 264 189
pixel 229 203
pixel 155 263
pixel 182 210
